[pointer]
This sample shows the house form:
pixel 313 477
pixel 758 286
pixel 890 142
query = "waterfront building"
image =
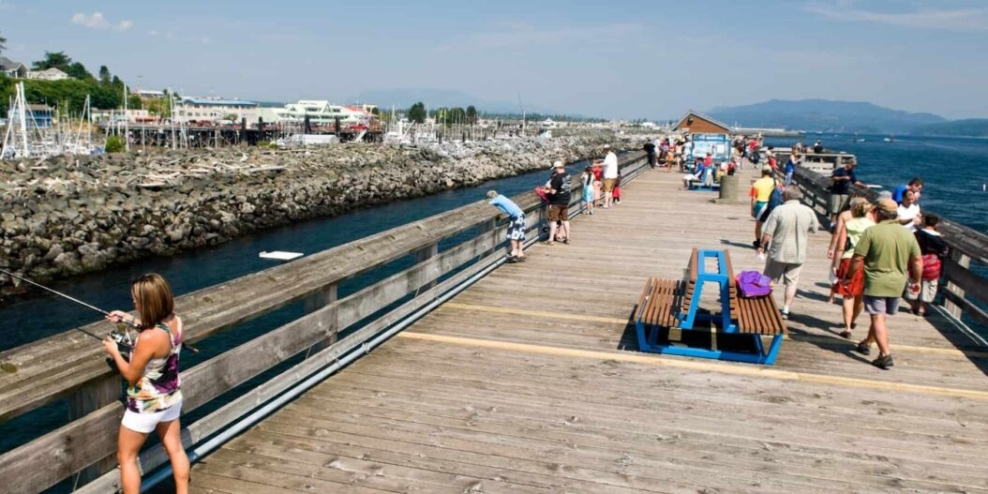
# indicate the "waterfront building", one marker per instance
pixel 149 94
pixel 42 115
pixel 215 110
pixel 322 113
pixel 706 134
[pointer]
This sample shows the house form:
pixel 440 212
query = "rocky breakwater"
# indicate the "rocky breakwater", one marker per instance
pixel 71 215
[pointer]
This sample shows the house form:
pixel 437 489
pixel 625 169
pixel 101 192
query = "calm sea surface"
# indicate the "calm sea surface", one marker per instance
pixel 955 171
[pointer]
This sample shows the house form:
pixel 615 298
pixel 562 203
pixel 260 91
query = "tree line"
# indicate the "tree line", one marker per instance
pixel 106 91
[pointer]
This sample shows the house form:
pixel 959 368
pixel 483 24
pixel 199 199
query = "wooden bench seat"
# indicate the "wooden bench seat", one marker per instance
pixel 658 300
pixel 760 316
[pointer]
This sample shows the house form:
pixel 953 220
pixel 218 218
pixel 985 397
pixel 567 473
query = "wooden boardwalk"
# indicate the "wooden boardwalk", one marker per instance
pixel 530 381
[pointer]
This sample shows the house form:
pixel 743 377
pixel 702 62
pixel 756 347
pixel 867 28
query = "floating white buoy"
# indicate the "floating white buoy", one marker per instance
pixel 280 255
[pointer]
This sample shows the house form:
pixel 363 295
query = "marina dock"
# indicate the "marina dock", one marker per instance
pixel 529 381
pixel 527 378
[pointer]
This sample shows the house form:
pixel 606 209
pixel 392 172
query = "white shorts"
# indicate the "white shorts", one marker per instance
pixel 146 422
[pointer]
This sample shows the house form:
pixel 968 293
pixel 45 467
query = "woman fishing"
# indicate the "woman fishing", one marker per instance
pixel 154 398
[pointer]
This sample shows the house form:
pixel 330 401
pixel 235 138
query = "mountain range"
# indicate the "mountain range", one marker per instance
pixel 826 116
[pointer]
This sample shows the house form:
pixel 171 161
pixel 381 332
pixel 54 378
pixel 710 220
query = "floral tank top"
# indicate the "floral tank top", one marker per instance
pixel 159 387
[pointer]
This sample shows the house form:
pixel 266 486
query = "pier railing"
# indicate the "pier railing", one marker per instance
pixel 333 332
pixel 965 292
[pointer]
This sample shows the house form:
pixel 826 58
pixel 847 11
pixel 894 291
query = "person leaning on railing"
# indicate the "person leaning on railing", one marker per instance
pixel 154 396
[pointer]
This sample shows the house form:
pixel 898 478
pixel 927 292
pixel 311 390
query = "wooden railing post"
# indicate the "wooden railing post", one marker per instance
pixel 86 400
pixel 489 228
pixel 424 254
pixel 321 298
pixel 965 262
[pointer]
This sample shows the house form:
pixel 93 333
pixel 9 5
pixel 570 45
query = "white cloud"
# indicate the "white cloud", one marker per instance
pixel 97 20
pixel 964 19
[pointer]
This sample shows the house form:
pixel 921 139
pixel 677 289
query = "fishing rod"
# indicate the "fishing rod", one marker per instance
pixel 119 341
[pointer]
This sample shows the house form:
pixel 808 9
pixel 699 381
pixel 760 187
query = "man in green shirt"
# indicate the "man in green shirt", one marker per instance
pixel 886 252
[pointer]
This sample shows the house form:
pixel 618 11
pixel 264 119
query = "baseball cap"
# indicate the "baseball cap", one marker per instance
pixel 887 206
pixel 558 164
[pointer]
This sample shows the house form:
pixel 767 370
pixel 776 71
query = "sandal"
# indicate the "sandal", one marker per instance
pixel 845 334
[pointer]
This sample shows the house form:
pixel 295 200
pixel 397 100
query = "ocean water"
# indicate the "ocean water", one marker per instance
pixel 954 169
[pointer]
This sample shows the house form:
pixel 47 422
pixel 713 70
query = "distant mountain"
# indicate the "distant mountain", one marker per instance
pixel 972 127
pixel 436 98
pixel 824 115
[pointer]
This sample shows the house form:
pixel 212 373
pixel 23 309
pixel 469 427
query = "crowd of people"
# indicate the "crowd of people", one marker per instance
pixel 880 251
pixel 873 265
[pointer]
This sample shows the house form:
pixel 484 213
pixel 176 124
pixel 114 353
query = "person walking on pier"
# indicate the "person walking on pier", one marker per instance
pixel 785 233
pixel 851 289
pixel 761 192
pixel 840 190
pixel 889 255
pixel 154 397
pixel 516 225
pixel 610 176
pixel 559 196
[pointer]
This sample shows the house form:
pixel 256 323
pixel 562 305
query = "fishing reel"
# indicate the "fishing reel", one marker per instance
pixel 124 343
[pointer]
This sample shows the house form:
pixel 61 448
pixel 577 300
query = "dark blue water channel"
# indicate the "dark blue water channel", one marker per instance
pixel 29 319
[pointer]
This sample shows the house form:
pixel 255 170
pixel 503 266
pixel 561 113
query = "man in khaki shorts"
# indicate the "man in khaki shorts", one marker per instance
pixel 560 185
pixel 785 233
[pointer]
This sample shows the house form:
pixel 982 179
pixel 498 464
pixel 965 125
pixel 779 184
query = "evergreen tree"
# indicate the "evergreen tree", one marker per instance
pixel 53 60
pixel 77 70
pixel 104 75
pixel 471 114
pixel 417 113
pixel 3 44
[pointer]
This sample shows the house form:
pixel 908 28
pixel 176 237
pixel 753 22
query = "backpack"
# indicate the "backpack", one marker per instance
pixel 753 284
pixel 931 267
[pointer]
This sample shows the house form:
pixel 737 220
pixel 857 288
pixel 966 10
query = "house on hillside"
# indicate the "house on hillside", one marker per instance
pixel 51 74
pixel 13 69
pixel 706 134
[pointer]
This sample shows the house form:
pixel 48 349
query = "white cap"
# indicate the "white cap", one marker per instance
pixel 558 164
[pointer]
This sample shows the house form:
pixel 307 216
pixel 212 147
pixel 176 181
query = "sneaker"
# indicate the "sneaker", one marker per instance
pixel 511 259
pixel 756 243
pixel 883 362
pixel 566 240
pixel 785 314
pixel 863 348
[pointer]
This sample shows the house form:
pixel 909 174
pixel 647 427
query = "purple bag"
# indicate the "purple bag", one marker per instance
pixel 753 284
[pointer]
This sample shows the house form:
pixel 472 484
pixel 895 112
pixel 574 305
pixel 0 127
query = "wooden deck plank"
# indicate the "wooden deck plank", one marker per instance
pixel 434 416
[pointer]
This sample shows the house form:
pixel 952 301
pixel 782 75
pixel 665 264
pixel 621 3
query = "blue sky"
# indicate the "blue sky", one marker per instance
pixel 621 58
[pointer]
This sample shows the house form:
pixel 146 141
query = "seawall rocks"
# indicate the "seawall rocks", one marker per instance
pixel 70 215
